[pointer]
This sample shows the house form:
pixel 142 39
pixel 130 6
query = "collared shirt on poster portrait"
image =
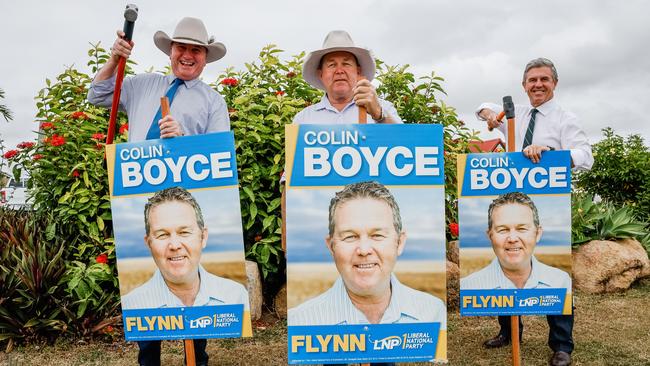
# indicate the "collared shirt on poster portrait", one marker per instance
pixel 492 277
pixel 334 307
pixel 324 113
pixel 196 106
pixel 213 290
pixel 554 127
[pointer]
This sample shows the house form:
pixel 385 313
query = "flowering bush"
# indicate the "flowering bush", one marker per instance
pixel 69 188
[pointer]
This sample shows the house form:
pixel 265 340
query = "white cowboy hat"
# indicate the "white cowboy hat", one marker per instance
pixel 190 31
pixel 337 40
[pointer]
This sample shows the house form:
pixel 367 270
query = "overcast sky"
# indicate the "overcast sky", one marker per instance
pixel 480 47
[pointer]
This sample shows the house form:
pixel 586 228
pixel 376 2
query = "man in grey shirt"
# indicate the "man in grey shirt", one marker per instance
pixel 344 71
pixel 195 107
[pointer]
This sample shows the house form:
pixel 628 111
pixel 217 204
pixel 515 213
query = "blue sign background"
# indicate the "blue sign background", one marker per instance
pixel 175 148
pixel 189 314
pixel 518 161
pixel 375 349
pixel 372 136
pixel 526 302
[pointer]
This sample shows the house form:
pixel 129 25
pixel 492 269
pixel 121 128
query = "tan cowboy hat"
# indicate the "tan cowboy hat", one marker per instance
pixel 190 31
pixel 337 40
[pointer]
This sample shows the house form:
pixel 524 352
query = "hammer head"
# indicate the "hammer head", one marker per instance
pixel 131 13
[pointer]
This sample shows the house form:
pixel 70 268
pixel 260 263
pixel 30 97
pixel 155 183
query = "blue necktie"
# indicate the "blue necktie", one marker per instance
pixel 154 130
pixel 531 127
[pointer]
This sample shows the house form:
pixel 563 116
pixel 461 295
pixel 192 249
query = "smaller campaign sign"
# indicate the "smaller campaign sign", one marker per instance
pixel 177 223
pixel 365 220
pixel 515 234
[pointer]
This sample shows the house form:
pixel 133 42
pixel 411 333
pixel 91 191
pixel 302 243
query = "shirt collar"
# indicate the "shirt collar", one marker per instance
pixel 399 306
pixel 325 104
pixel 188 83
pixel 545 108
pixel 533 281
pixel 203 297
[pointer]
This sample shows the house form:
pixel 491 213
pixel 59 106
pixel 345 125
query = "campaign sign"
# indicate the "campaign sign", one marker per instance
pixel 365 231
pixel 178 238
pixel 515 234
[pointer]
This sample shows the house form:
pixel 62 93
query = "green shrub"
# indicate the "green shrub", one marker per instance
pixel 621 173
pixel 68 178
pixel 31 296
pixel 603 221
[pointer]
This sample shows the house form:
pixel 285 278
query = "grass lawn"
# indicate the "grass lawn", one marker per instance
pixel 609 330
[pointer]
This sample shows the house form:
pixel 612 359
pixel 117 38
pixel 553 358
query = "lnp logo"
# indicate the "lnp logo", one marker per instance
pixel 387 343
pixel 531 301
pixel 201 322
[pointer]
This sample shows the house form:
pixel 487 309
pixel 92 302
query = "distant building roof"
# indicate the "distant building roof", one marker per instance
pixel 494 145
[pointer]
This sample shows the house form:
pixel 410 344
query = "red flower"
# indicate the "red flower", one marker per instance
pixel 230 82
pixel 291 75
pixel 279 92
pixel 453 228
pixel 258 238
pixel 37 157
pixel 102 258
pixel 47 125
pixel 124 128
pixel 99 146
pixel 25 144
pixel 79 115
pixel 99 136
pixel 75 173
pixel 57 140
pixel 108 329
pixel 10 154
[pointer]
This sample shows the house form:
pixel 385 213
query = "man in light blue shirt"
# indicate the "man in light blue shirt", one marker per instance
pixel 195 109
pixel 344 71
pixel 365 238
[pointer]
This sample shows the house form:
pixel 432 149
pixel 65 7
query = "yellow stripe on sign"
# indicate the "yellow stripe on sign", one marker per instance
pixel 110 165
pixel 247 328
pixel 290 144
pixel 460 171
pixel 568 304
pixel 441 349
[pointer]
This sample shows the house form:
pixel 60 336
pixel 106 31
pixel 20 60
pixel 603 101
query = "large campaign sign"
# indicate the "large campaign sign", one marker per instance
pixel 515 234
pixel 178 238
pixel 365 243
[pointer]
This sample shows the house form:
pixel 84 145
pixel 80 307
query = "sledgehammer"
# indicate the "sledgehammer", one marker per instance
pixel 130 15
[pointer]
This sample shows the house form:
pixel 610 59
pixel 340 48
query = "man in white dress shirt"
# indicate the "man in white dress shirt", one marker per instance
pixel 542 126
pixel 365 238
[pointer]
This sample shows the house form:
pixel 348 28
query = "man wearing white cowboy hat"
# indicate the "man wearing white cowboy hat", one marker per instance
pixel 195 107
pixel 344 71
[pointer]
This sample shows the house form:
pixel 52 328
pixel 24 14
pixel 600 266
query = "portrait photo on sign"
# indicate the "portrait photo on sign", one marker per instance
pixel 365 240
pixel 515 237
pixel 175 239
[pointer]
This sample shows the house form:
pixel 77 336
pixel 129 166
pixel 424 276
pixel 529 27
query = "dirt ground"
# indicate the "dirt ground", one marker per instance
pixel 609 330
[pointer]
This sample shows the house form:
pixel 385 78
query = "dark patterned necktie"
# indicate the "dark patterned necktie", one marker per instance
pixel 154 130
pixel 531 127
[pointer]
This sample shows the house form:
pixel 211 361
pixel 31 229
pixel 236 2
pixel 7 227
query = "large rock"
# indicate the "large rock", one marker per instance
pixel 452 251
pixel 453 286
pixel 254 289
pixel 608 266
pixel 280 302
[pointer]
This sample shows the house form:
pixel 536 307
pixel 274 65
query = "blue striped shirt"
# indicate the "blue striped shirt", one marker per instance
pixel 492 277
pixel 213 290
pixel 334 307
pixel 197 107
pixel 324 113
